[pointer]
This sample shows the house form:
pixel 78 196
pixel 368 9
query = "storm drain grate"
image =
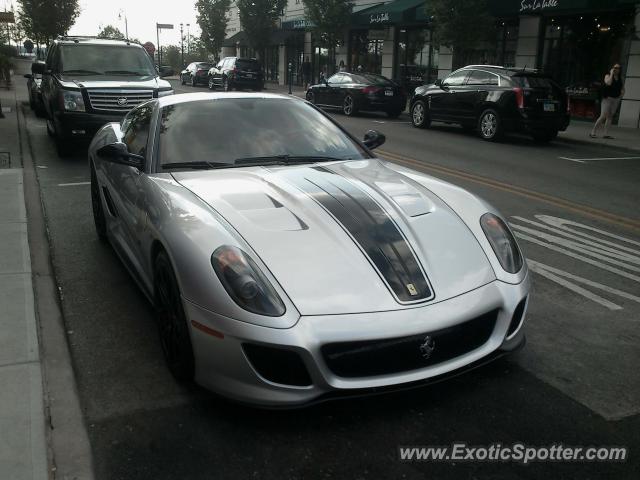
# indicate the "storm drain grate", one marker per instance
pixel 5 160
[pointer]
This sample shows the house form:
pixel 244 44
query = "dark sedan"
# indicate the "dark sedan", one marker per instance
pixel 354 92
pixel 34 81
pixel 195 73
pixel 494 100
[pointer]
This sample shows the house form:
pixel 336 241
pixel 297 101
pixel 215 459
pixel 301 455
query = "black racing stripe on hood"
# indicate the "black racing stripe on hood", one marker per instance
pixel 373 229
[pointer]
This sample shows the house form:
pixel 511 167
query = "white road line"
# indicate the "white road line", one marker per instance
pixel 578 257
pixel 580 247
pixel 602 246
pixel 73 184
pixel 541 270
pixel 599 159
pixel 537 265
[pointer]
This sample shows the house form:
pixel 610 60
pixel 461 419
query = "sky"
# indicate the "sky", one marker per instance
pixel 142 16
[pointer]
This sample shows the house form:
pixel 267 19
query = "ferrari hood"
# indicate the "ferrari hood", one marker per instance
pixel 347 237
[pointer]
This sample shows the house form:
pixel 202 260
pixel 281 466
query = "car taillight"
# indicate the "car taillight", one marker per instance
pixel 200 72
pixel 519 97
pixel 369 90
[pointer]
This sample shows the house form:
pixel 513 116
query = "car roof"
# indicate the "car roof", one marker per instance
pixel 204 96
pixel 507 71
pixel 95 41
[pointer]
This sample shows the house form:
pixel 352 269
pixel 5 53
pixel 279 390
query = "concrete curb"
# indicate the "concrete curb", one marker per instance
pixel 68 441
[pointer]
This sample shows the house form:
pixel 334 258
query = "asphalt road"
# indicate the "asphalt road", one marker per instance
pixel 575 382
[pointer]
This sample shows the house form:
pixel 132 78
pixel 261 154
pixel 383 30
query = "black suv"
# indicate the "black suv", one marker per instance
pixel 88 82
pixel 238 73
pixel 494 100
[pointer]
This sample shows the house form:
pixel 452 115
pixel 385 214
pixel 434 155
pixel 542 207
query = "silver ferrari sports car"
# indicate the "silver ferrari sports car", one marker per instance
pixel 287 263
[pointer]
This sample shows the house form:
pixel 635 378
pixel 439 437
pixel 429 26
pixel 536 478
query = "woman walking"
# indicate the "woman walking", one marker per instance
pixel 612 91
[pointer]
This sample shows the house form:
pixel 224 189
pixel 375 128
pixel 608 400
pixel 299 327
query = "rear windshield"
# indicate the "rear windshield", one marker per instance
pixel 106 60
pixel 247 64
pixel 533 82
pixel 372 78
pixel 204 65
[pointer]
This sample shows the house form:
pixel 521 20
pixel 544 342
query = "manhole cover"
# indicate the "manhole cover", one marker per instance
pixel 5 160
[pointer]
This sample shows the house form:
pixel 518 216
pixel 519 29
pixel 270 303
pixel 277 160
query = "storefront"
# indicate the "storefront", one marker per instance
pixel 576 42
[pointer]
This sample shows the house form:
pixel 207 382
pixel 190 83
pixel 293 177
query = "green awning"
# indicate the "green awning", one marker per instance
pixel 536 7
pixel 392 13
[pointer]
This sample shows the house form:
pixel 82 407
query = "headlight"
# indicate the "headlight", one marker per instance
pixel 72 101
pixel 245 283
pixel 502 242
pixel 163 93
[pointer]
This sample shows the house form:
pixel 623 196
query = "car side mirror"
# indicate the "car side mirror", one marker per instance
pixel 39 67
pixel 373 139
pixel 438 82
pixel 119 153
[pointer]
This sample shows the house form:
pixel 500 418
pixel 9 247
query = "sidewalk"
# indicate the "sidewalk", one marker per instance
pixel 23 448
pixel 624 137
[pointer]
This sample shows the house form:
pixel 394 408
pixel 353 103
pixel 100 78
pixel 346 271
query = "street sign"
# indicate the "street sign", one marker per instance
pixel 165 26
pixel 7 17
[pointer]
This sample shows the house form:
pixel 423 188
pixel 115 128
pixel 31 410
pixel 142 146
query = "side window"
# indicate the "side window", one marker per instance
pixel 456 79
pixel 478 77
pixel 335 79
pixel 136 127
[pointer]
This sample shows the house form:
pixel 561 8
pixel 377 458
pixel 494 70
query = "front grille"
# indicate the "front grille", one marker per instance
pixel 402 354
pixel 118 100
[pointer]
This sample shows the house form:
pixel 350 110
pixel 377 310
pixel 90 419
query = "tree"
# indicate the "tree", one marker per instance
pixel 461 25
pixel 329 19
pixel 212 19
pixel 111 32
pixel 258 19
pixel 44 20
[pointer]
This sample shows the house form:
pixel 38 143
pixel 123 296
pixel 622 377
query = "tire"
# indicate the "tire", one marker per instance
pixel 420 115
pixel 210 83
pixel 394 113
pixel 174 332
pixel 544 136
pixel 64 147
pixel 349 107
pixel 99 218
pixel 490 125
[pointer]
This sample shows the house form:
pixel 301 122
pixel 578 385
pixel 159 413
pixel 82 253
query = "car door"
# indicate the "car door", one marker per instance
pixel 124 182
pixel 443 104
pixel 476 91
pixel 334 90
pixel 48 87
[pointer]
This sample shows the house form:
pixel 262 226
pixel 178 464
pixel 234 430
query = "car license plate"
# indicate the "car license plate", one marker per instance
pixel 549 107
pixel 388 93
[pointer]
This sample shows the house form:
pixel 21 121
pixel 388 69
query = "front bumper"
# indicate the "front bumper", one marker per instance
pixel 223 366
pixel 83 125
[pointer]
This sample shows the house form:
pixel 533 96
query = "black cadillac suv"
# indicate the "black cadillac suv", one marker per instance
pixel 87 82
pixel 238 73
pixel 494 100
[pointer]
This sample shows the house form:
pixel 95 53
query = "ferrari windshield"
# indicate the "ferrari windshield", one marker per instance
pixel 221 132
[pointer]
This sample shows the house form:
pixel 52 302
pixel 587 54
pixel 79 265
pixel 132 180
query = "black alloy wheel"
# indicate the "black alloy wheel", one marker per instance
pixel 172 323
pixel 349 107
pixel 490 125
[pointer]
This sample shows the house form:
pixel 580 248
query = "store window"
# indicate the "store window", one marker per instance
pixel 501 52
pixel 415 62
pixel 577 51
pixel 366 50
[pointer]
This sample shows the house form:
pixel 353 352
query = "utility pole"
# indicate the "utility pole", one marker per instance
pixel 188 39
pixel 181 47
pixel 122 13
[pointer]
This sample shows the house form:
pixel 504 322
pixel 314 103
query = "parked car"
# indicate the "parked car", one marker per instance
pixel 87 82
pixel 195 73
pixel 236 73
pixel 494 100
pixel 287 263
pixel 34 81
pixel 353 92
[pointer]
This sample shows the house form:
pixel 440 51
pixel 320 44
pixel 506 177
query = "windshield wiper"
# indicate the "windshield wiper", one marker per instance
pixel 285 159
pixel 80 71
pixel 124 72
pixel 195 165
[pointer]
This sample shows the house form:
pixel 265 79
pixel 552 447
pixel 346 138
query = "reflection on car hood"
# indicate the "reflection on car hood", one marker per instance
pixel 115 81
pixel 347 237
